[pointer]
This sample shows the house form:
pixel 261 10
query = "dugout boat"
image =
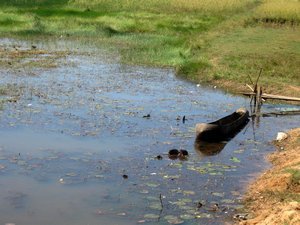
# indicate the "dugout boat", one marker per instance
pixel 224 128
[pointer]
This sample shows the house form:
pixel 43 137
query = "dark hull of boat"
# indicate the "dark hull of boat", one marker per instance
pixel 222 129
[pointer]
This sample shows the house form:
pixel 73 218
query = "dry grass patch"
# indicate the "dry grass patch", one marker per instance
pixel 279 11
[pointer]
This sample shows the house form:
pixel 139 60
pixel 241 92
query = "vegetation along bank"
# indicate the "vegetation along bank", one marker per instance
pixel 220 42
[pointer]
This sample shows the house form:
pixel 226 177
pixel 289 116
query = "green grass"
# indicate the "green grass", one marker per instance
pixel 295 176
pixel 204 40
pixel 166 6
pixel 245 50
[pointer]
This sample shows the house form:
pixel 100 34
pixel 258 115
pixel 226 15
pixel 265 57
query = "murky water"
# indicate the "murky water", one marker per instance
pixel 80 147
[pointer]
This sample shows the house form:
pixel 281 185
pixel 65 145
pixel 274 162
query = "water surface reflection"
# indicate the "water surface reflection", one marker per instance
pixel 77 129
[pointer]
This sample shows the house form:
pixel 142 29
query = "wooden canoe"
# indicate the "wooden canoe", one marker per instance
pixel 224 128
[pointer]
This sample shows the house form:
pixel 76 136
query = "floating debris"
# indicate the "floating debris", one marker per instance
pixel 199 205
pixel 183 119
pixel 243 216
pixel 61 180
pixel 159 157
pixel 214 207
pixel 173 154
pixel 147 116
pixel 183 154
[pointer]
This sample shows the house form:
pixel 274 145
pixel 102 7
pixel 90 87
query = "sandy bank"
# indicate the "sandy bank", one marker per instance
pixel 274 198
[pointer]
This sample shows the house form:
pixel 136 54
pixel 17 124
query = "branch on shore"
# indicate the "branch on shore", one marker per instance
pixel 270 96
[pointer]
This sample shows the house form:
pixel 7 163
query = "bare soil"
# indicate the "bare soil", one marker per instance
pixel 274 197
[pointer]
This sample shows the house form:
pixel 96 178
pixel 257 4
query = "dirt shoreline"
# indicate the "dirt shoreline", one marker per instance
pixel 274 198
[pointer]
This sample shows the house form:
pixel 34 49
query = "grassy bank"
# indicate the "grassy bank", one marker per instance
pixel 274 197
pixel 205 40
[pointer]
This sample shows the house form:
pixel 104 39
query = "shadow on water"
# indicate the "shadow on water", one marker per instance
pixel 209 148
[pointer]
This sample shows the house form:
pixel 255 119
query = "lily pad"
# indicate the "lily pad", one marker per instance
pixel 186 200
pixel 152 185
pixel 171 176
pixel 187 216
pixel 239 151
pixel 178 203
pixel 217 194
pixel 216 174
pixel 152 198
pixel 71 174
pixel 188 192
pixel 156 206
pixel 176 221
pixel 151 216
pixel 21 163
pixel 235 159
pixel 175 165
pixel 228 201
pixel 186 207
pixel 170 217
pixel 173 219
pixel 203 215
pixel 144 191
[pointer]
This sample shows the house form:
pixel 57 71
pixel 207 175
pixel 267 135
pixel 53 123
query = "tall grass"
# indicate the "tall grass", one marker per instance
pixel 32 3
pixel 13 22
pixel 279 11
pixel 166 6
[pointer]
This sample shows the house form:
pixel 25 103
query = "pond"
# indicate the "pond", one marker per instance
pixel 87 142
